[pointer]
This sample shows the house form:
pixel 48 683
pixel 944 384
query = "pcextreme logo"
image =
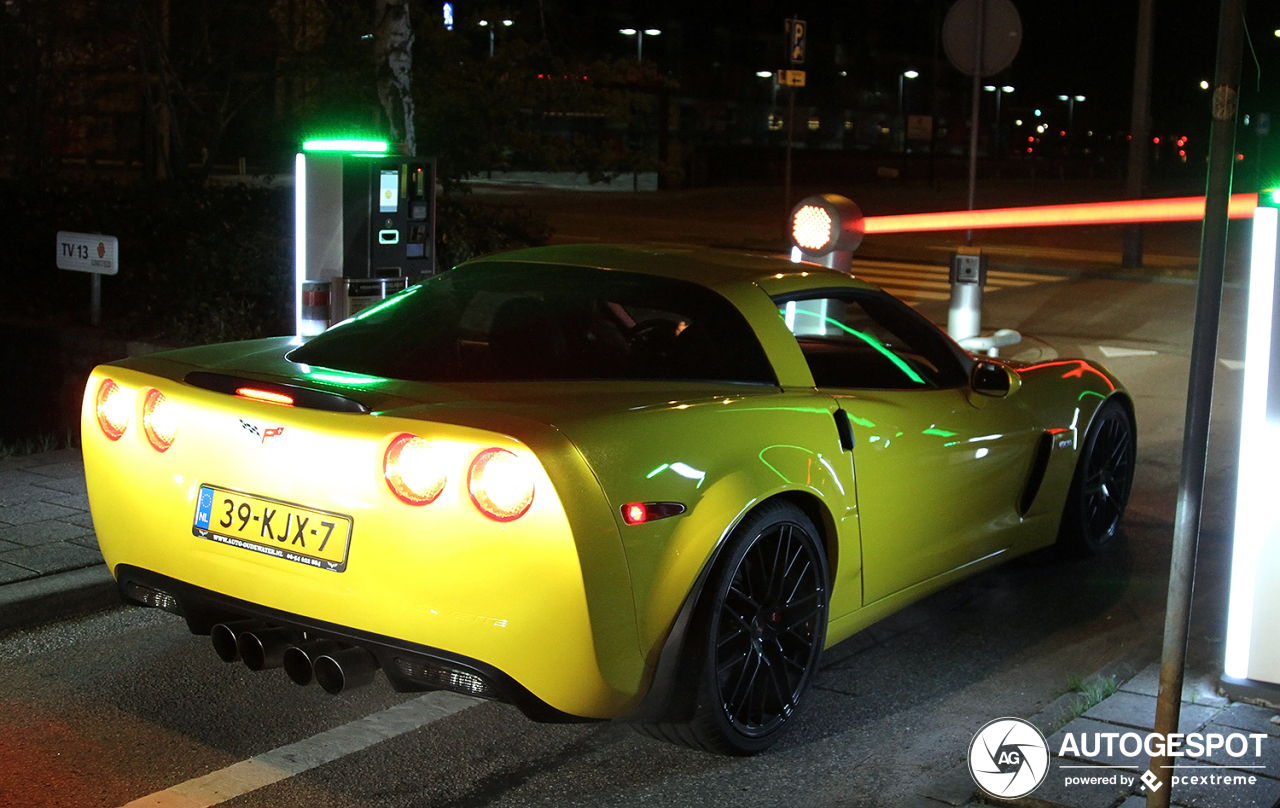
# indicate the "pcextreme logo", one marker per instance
pixel 1008 758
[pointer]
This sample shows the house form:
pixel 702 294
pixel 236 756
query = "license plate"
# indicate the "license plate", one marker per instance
pixel 273 527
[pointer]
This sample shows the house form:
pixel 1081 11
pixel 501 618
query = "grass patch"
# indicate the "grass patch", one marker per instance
pixel 47 442
pixel 1092 691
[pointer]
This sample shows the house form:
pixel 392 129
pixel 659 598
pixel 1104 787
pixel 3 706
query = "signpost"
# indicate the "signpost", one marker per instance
pixel 93 253
pixel 791 78
pixel 797 38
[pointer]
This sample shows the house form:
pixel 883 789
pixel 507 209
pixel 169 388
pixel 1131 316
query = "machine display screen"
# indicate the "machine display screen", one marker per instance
pixel 388 191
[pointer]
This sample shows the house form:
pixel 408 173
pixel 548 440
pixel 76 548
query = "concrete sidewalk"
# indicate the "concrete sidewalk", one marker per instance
pixel 50 567
pixel 1130 709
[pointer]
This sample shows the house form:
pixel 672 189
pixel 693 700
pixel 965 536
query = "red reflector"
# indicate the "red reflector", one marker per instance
pixel 265 396
pixel 634 513
pixel 637 513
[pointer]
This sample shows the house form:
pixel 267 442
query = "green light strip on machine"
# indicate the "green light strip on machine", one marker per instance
pixel 350 146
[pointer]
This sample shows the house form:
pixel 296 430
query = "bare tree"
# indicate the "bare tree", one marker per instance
pixel 393 58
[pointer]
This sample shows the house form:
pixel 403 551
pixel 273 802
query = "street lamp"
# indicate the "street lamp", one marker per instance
pixel 902 112
pixel 485 24
pixel 991 88
pixel 639 35
pixel 1071 109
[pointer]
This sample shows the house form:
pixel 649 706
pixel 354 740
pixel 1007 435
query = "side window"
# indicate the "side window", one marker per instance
pixel 870 341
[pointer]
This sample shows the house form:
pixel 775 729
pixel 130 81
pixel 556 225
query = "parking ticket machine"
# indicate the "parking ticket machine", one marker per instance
pixel 364 228
pixel 388 217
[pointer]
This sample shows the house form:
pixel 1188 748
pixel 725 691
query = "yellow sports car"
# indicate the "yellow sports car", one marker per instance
pixel 595 482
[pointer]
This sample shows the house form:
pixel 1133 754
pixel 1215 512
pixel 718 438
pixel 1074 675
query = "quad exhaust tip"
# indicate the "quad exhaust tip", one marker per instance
pixel 345 669
pixel 263 649
pixel 300 660
pixel 226 636
pixel 332 665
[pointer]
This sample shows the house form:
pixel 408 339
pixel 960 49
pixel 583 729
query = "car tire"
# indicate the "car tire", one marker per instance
pixel 1102 482
pixel 761 625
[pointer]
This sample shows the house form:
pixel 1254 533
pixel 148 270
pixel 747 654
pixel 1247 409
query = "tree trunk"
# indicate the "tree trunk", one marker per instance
pixel 393 58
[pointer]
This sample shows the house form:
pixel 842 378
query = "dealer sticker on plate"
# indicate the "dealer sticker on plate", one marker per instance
pixel 273 527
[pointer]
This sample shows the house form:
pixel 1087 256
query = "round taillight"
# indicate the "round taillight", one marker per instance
pixel 112 406
pixel 414 470
pixel 158 420
pixel 501 484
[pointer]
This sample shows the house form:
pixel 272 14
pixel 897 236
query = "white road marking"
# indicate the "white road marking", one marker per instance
pixel 1232 364
pixel 1110 352
pixel 295 758
pixel 914 282
pixel 911 281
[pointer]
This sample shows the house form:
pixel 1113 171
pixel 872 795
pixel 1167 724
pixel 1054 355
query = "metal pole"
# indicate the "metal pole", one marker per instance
pixel 902 116
pixel 95 301
pixel 980 31
pixel 786 180
pixel 1139 130
pixel 1195 440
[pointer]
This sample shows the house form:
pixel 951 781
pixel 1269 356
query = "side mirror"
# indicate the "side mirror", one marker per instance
pixel 993 379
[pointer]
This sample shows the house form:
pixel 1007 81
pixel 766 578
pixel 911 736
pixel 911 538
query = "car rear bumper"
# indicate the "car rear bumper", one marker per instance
pixel 409 667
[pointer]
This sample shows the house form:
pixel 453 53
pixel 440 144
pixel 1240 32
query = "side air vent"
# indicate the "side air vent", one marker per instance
pixel 299 396
pixel 1039 464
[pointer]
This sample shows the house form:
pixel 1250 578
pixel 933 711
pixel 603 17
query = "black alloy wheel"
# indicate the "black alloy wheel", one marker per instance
pixel 766 622
pixel 1102 482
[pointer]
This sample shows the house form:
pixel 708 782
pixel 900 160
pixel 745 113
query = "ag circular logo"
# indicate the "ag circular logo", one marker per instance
pixel 1008 758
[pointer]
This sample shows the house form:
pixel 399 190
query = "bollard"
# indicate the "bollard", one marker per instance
pixel 316 307
pixel 968 276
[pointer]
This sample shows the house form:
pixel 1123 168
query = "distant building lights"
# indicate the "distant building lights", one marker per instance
pixel 448 16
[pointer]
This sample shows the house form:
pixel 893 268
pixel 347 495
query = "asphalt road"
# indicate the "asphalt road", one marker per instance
pixel 126 705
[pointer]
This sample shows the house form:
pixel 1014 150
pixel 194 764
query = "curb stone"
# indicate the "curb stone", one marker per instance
pixel 56 597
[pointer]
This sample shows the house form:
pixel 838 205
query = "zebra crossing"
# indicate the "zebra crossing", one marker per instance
pixel 915 282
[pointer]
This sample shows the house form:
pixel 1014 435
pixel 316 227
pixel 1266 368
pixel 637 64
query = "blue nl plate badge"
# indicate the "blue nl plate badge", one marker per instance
pixel 204 508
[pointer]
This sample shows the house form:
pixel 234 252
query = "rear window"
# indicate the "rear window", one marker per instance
pixel 534 322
